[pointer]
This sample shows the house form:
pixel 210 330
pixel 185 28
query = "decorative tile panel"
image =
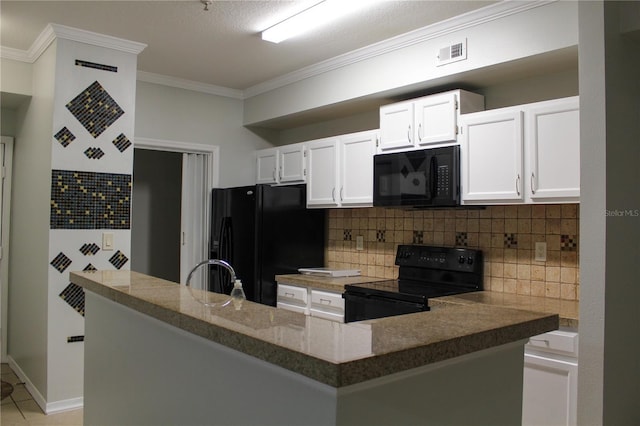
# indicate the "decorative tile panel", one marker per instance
pixel 418 237
pixel 73 295
pixel 380 235
pixel 510 241
pixel 568 242
pixel 462 239
pixel 89 200
pixel 95 109
pixel 118 259
pixel 96 66
pixel 89 249
pixel 65 137
pixel 60 262
pixel 122 142
pixel 94 153
pixel 89 267
pixel 347 235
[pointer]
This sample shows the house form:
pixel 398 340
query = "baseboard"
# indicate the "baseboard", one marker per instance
pixel 47 407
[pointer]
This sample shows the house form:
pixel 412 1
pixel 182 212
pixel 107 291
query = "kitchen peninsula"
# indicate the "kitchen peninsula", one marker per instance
pixel 155 354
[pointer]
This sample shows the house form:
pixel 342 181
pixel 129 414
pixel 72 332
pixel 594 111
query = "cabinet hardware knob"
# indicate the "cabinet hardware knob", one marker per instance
pixel 341 193
pixel 518 184
pixel 419 129
pixel 333 194
pixel 409 133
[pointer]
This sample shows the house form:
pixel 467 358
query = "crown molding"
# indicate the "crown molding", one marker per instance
pixel 439 29
pixel 55 31
pixel 477 17
pixel 189 85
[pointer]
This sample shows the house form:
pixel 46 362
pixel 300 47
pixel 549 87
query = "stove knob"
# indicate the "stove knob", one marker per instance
pixel 461 259
pixel 470 260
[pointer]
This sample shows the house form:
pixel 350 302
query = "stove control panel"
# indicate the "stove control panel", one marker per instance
pixel 442 258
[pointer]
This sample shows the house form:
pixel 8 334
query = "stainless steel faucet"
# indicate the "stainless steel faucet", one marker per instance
pixel 213 262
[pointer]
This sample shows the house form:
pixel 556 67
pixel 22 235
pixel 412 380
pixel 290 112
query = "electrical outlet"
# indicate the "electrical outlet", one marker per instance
pixel 541 251
pixel 359 242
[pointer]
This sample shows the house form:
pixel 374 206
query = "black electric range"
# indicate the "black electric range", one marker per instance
pixel 424 272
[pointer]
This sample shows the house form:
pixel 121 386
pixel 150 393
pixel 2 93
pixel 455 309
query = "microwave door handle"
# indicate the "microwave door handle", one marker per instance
pixel 433 166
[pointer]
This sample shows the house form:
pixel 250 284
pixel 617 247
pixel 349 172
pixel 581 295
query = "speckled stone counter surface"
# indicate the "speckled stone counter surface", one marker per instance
pixel 566 309
pixel 325 283
pixel 332 353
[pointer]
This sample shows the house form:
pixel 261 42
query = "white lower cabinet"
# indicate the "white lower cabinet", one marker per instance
pixel 317 303
pixel 293 298
pixel 550 381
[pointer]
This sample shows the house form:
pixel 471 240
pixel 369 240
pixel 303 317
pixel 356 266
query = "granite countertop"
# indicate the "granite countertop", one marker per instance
pixel 567 310
pixel 333 353
pixel 324 283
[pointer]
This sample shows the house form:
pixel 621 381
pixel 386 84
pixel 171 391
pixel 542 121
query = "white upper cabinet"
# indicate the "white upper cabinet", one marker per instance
pixel 529 153
pixel 423 122
pixel 553 132
pixel 491 156
pixel 356 166
pixel 283 165
pixel 323 173
pixel 341 170
pixel 267 165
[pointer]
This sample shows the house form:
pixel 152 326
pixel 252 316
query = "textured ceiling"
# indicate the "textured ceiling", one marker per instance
pixel 222 46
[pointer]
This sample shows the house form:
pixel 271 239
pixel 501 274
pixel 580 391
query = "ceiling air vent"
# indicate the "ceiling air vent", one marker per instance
pixel 452 53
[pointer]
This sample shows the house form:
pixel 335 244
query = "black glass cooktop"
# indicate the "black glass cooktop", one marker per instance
pixel 412 289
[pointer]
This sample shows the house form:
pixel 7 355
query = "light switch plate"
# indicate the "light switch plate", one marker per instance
pixel 541 251
pixel 359 242
pixel 107 241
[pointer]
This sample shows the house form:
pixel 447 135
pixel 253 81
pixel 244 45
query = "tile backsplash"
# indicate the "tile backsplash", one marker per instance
pixel 506 235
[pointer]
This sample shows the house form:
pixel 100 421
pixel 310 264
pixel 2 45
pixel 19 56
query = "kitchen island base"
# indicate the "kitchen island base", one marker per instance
pixel 143 371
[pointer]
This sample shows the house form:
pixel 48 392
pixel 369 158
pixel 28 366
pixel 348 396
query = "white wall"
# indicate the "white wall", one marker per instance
pixel 608 390
pixel 29 244
pixel 494 42
pixel 16 77
pixel 169 113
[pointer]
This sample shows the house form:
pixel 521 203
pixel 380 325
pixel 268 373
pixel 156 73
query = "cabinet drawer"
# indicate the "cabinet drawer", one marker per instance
pixel 333 316
pixel 292 295
pixel 289 307
pixel 324 300
pixel 563 342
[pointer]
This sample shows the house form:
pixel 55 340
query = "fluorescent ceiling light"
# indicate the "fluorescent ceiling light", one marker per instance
pixel 315 16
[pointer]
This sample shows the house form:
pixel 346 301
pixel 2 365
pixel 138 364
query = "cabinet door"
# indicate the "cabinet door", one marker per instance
pixel 267 166
pixel 435 119
pixel 292 164
pixel 492 156
pixel 356 163
pixel 549 391
pixel 396 126
pixel 553 137
pixel 322 185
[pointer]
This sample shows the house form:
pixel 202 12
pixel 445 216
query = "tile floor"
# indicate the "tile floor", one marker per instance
pixel 20 409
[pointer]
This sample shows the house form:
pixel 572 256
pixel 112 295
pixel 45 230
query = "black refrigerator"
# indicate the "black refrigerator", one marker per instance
pixel 263 231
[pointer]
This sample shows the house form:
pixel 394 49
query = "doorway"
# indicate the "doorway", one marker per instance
pixel 155 213
pixel 6 156
pixel 172 183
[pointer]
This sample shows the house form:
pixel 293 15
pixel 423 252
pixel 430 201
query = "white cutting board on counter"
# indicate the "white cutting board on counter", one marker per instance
pixel 330 272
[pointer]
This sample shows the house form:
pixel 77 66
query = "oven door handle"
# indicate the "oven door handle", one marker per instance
pixel 394 301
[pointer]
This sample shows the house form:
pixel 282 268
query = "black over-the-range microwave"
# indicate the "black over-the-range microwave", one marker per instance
pixel 423 178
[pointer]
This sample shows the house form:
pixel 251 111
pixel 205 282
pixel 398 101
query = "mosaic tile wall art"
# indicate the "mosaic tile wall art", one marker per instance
pixel 90 200
pixel 506 234
pixel 95 109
